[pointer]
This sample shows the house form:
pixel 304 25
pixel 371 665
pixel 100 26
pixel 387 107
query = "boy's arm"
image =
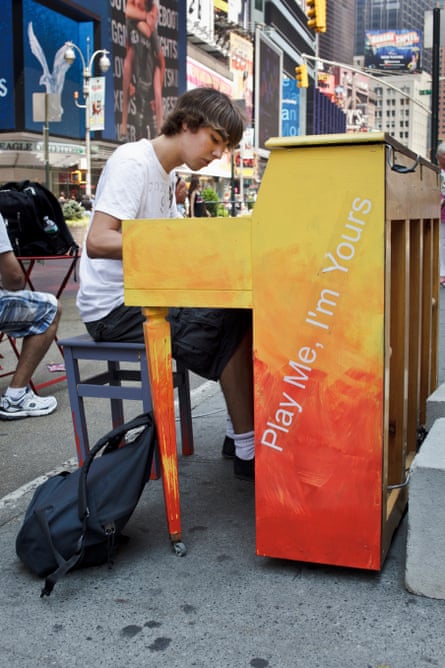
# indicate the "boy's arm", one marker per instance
pixel 12 277
pixel 104 238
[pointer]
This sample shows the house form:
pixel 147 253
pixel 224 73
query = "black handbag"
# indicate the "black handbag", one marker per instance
pixel 75 519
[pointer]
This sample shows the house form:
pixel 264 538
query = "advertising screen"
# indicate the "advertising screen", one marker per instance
pixel 268 68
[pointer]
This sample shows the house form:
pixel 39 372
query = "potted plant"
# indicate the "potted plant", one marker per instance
pixel 77 220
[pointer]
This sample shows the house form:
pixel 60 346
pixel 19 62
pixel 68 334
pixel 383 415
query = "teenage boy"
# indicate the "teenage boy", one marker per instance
pixel 139 181
pixel 33 316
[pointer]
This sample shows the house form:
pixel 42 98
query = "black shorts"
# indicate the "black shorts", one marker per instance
pixel 203 339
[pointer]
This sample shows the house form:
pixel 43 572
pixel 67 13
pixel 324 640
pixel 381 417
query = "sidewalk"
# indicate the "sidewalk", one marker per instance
pixel 220 606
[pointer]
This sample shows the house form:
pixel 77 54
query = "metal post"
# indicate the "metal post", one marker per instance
pixel 86 75
pixel 45 143
pixel 86 93
pixel 232 184
pixel 435 84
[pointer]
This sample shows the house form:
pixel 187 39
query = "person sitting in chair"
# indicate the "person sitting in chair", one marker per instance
pixel 33 316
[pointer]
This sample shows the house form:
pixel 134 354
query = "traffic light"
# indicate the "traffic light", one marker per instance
pixel 301 76
pixel 78 176
pixel 316 11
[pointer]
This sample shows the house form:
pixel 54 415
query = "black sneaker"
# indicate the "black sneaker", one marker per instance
pixel 228 448
pixel 244 469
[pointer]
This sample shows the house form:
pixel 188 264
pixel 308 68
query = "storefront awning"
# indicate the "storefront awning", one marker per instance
pixel 26 150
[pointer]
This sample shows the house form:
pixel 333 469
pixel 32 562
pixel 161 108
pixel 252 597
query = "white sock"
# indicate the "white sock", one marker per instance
pixel 229 427
pixel 15 393
pixel 245 445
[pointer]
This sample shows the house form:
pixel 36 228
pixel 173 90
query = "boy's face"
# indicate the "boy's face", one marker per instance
pixel 200 148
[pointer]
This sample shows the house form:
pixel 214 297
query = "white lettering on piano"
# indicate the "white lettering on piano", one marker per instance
pixel 285 415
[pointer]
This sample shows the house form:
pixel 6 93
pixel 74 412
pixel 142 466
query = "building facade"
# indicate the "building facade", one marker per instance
pixel 401 116
pixel 336 43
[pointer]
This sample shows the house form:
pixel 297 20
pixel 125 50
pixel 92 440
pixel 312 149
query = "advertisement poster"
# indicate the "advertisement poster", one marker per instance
pixel 146 67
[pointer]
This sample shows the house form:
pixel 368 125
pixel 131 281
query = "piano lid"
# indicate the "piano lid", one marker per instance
pixel 339 139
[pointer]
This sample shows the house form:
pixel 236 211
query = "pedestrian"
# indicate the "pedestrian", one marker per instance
pixel 440 154
pixel 33 316
pixel 139 181
pixel 197 205
pixel 181 195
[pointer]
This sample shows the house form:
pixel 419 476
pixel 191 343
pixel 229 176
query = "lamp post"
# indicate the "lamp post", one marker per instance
pixel 104 64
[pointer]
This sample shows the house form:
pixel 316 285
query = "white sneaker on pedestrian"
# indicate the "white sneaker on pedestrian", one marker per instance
pixel 29 405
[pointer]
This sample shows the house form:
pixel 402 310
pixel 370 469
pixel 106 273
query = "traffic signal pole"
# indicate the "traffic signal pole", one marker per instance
pixel 435 84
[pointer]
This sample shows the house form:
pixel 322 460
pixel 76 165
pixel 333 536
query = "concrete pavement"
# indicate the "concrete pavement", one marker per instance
pixel 221 605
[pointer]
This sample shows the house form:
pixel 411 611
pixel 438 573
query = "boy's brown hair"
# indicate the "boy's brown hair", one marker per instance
pixel 206 108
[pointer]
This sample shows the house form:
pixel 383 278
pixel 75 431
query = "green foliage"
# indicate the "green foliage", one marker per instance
pixel 211 199
pixel 72 210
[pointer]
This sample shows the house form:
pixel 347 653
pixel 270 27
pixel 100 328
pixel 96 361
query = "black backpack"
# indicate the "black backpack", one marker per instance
pixel 34 220
pixel 75 519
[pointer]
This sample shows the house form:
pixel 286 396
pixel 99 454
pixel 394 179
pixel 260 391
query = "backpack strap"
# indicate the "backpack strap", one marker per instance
pixel 64 565
pixel 112 439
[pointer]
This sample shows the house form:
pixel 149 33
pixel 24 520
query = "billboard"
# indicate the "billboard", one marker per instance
pixel 6 68
pixel 46 70
pixel 393 50
pixel 268 69
pixel 146 56
pixel 241 67
pixel 146 67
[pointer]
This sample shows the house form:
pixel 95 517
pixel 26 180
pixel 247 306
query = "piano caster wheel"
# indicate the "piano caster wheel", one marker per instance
pixel 179 549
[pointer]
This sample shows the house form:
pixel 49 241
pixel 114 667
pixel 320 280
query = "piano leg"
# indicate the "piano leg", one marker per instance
pixel 158 344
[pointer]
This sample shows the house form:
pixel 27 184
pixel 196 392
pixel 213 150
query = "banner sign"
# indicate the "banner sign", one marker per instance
pixel 96 103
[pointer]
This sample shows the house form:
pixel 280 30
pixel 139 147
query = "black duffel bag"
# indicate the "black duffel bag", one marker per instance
pixel 75 519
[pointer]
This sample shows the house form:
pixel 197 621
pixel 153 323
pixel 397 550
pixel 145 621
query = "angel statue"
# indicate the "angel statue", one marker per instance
pixel 53 81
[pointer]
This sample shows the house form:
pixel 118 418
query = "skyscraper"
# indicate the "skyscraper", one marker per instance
pixel 337 42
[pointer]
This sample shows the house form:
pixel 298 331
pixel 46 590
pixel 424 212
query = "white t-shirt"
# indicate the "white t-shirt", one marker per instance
pixel 133 185
pixel 5 244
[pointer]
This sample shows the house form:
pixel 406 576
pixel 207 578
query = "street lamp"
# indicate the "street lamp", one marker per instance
pixel 104 64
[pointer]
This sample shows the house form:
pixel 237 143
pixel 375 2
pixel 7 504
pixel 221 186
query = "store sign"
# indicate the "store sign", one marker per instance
pixel 36 146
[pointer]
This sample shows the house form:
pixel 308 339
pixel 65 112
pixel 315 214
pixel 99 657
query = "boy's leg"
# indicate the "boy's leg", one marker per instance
pixel 33 351
pixel 237 385
pixel 217 344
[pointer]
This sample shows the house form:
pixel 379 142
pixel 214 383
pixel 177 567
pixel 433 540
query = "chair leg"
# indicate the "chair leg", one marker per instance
pixel 155 472
pixel 117 408
pixel 77 406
